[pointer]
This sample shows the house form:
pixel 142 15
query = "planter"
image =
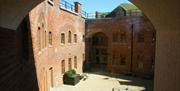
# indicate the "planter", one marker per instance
pixel 71 80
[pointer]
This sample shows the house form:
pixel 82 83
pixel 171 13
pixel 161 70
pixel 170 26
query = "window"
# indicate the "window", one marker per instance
pixel 62 38
pixel 51 76
pixel 140 61
pixel 140 38
pixel 45 39
pixel 115 37
pixel 75 38
pixel 153 37
pixel 95 41
pixel 69 37
pixel 69 64
pixel 83 39
pixel 63 66
pixel 152 62
pixel 119 37
pixel 50 38
pixel 113 58
pixel 123 37
pixel 39 38
pixel 122 59
pixel 75 62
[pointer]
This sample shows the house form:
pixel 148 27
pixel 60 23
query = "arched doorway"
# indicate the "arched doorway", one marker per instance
pixel 100 49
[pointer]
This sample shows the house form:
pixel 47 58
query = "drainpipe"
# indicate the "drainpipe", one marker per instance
pixel 131 65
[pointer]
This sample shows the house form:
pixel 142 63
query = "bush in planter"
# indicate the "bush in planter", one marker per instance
pixel 70 77
pixel 71 73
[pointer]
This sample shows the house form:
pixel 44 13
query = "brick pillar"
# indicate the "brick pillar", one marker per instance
pixel 77 7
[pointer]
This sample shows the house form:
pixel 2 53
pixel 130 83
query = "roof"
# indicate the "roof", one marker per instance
pixel 128 6
pixel 104 13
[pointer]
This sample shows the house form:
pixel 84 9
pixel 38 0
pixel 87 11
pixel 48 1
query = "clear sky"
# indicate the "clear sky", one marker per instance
pixel 90 6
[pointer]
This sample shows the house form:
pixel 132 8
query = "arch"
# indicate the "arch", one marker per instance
pixel 100 39
pixel 100 49
pixel 164 15
pixel 12 19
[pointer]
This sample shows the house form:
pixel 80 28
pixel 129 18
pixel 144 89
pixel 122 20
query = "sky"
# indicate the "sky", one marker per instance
pixel 91 6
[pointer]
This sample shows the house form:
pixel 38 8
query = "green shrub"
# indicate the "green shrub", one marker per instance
pixel 71 73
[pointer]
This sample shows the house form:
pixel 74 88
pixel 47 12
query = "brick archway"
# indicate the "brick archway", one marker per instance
pixel 164 15
pixel 100 49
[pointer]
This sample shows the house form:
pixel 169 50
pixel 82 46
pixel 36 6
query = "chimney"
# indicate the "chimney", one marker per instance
pixel 77 7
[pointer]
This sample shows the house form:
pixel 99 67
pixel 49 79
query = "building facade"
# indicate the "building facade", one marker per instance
pixel 121 41
pixel 48 42
pixel 57 37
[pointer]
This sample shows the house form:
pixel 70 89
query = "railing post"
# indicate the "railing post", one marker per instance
pixel 65 4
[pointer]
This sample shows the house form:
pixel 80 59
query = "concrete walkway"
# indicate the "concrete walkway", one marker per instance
pixel 99 82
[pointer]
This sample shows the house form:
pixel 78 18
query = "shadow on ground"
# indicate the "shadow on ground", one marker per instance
pixel 128 80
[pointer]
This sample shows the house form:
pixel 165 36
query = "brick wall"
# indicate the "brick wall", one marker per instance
pixel 15 72
pixel 110 26
pixel 48 17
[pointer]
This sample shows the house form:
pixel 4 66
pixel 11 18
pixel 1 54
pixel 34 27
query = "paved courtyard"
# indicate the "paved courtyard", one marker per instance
pixel 110 82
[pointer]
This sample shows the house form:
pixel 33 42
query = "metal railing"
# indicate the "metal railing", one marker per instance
pixel 84 14
pixel 71 7
pixel 67 5
pixel 88 15
pixel 91 15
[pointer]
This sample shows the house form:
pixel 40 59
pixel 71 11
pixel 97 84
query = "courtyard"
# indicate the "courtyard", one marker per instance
pixel 102 81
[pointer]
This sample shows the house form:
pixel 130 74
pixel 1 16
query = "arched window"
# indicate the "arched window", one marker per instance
pixel 122 59
pixel 51 76
pixel 113 58
pixel 83 38
pixel 75 38
pixel 63 66
pixel 75 62
pixel 45 38
pixel 69 64
pixel 69 37
pixel 140 61
pixel 123 37
pixel 115 37
pixel 62 38
pixel 50 38
pixel 39 38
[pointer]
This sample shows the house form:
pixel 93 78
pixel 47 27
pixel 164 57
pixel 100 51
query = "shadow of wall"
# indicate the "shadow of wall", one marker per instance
pixel 17 68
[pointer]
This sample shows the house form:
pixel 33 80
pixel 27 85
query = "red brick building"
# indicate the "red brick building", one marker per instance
pixel 121 41
pixel 57 36
pixel 48 42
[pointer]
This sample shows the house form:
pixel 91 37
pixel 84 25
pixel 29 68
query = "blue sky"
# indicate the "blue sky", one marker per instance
pixel 91 6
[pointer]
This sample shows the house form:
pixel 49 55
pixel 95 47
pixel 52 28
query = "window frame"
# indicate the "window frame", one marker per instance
pixel 50 38
pixel 69 37
pixel 63 38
